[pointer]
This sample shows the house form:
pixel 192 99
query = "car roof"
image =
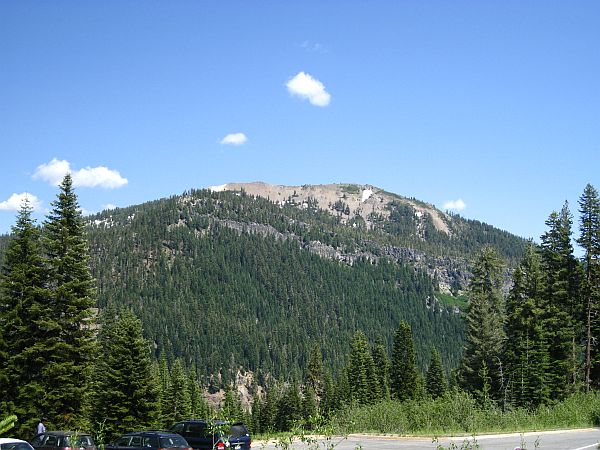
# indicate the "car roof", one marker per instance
pixel 203 421
pixel 165 433
pixel 11 441
pixel 66 433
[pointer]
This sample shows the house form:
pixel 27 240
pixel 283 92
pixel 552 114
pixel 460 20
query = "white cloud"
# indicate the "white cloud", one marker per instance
pixel 109 206
pixel 305 86
pixel 234 139
pixel 54 172
pixel 15 202
pixel 457 205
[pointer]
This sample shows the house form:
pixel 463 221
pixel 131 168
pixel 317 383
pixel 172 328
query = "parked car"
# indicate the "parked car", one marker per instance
pixel 14 444
pixel 63 440
pixel 149 440
pixel 202 436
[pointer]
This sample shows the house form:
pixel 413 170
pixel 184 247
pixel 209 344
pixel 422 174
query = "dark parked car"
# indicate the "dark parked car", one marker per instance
pixel 14 444
pixel 149 440
pixel 201 435
pixel 63 440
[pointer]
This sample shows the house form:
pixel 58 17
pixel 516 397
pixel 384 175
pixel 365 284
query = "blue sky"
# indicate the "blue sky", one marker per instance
pixel 495 103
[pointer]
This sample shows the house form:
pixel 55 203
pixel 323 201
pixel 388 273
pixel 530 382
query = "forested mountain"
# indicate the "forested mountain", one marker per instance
pixel 252 276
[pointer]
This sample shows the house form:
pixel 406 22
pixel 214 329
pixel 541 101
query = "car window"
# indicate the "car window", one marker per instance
pixel 177 428
pixel 172 441
pixel 51 441
pixel 76 441
pixel 123 441
pixel 196 429
pixel 37 441
pixel 147 442
pixel 136 441
pixel 238 430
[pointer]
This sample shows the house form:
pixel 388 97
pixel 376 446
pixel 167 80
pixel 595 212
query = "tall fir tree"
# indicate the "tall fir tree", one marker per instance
pixel 24 315
pixel 178 402
pixel 482 366
pixel 435 380
pixel 589 240
pixel 198 405
pixel 562 307
pixel 125 391
pixel 289 408
pixel 526 353
pixel 363 384
pixel 70 347
pixel 381 362
pixel 314 370
pixel 405 379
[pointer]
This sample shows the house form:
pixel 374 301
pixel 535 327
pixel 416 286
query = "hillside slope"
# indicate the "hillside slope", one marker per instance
pixel 252 275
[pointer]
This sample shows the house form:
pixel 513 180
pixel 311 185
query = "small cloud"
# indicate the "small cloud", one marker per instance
pixel 457 205
pixel 305 86
pixel 234 139
pixel 109 206
pixel 54 172
pixel 313 47
pixel 15 202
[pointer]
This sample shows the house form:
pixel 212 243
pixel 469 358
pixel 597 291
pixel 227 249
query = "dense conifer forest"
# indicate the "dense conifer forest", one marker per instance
pixel 195 289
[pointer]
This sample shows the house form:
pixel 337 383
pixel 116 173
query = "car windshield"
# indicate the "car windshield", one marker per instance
pixel 15 446
pixel 172 441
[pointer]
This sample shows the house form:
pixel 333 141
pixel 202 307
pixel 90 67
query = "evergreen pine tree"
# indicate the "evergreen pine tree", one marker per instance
pixel 589 240
pixel 405 380
pixel 314 376
pixel 485 334
pixel 70 344
pixel 435 381
pixel 381 362
pixel 24 314
pixel 309 404
pixel 198 405
pixel 164 382
pixel 526 351
pixel 125 390
pixel 562 308
pixel 178 402
pixel 361 371
pixel 329 401
pixel 232 406
pixel 289 410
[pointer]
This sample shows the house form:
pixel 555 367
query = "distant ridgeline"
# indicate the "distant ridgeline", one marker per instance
pixel 253 275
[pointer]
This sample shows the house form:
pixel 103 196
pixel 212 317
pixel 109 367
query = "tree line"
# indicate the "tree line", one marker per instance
pixel 535 346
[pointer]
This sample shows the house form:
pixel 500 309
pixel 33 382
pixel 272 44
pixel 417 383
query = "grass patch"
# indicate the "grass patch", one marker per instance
pixel 459 414
pixel 449 300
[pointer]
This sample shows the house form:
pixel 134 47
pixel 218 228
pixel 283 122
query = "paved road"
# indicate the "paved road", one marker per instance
pixel 549 440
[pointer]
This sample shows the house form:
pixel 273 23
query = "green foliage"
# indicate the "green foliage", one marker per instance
pixel 175 260
pixel 589 240
pixel 69 346
pixel 179 403
pixel 405 378
pixel 24 314
pixel 485 333
pixel 7 424
pixel 364 388
pixel 435 380
pixel 381 362
pixel 562 307
pixel 527 354
pixel 460 413
pixel 125 391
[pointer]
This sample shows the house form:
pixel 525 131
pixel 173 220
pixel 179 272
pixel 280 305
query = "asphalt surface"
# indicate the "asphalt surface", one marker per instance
pixel 547 440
